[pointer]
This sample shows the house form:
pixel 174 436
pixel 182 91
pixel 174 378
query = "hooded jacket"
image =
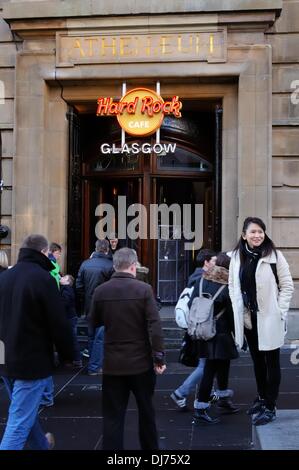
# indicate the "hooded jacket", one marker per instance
pixel 32 318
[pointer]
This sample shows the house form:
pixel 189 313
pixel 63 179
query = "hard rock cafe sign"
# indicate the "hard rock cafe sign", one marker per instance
pixel 140 112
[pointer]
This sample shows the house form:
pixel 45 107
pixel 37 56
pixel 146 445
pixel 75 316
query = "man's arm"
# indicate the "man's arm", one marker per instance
pixel 58 326
pixel 154 330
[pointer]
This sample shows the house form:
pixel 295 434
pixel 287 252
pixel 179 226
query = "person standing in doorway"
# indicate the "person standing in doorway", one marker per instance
pixel 133 350
pixel 32 321
pixel 261 288
pixel 54 255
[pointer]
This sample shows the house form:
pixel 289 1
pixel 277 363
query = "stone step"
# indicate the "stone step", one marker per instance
pixel 171 333
pixel 281 434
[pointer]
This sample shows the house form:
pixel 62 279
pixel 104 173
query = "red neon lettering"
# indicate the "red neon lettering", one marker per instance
pixel 146 107
pixel 167 107
pixel 157 105
pixel 176 105
pixel 103 105
pixel 122 106
pixel 131 107
pixel 113 108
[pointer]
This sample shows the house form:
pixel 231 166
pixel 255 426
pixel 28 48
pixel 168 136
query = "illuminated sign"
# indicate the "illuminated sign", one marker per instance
pixel 140 112
pixel 136 148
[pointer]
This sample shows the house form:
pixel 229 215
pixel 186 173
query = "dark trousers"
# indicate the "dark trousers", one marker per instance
pixel 212 368
pixel 116 392
pixel 266 368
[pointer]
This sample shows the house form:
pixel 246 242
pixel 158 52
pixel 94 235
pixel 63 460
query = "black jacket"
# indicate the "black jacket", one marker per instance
pixel 93 272
pixel 133 334
pixel 32 318
pixel 68 297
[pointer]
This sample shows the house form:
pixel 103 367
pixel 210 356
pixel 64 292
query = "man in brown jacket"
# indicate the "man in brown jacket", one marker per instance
pixel 133 350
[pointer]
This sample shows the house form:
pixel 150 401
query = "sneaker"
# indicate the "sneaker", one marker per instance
pixel 85 353
pixel 265 416
pixel 213 398
pixel 179 401
pixel 201 417
pixel 256 407
pixel 51 440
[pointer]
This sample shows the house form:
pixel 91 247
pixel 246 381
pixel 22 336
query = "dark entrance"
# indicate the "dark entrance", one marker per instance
pixel 189 176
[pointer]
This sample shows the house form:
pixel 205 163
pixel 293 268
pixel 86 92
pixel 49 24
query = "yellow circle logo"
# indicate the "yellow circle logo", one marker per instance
pixel 140 112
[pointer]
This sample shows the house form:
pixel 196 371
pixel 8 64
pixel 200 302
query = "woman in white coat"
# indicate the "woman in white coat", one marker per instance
pixel 260 287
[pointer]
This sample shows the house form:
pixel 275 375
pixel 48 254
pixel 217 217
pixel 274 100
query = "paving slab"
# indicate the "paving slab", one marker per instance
pixel 281 434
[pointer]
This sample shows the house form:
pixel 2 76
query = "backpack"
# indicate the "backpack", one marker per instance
pixel 202 322
pixel 181 309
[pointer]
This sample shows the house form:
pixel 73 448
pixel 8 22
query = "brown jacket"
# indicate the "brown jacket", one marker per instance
pixel 133 334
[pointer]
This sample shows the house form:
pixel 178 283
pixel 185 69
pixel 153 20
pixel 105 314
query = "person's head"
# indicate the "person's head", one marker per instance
pixel 102 246
pixel 36 242
pixel 67 280
pixel 254 235
pixel 113 243
pixel 3 259
pixel 206 259
pixel 56 250
pixel 125 260
pixel 223 260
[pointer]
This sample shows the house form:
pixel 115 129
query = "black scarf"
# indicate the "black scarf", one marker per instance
pixel 247 276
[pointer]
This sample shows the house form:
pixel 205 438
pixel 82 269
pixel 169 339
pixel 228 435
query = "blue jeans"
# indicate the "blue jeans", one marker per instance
pixel 23 422
pixel 192 380
pixel 96 349
pixel 48 395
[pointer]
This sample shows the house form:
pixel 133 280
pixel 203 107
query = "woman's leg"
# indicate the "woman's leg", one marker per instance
pixel 274 377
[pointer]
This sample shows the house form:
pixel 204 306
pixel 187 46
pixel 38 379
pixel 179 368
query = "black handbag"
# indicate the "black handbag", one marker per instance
pixel 188 355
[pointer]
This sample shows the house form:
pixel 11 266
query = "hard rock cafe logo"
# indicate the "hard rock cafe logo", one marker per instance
pixel 140 112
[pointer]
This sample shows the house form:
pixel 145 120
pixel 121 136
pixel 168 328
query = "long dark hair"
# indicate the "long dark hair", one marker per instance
pixel 267 246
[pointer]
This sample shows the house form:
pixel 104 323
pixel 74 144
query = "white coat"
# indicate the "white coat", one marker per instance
pixel 273 304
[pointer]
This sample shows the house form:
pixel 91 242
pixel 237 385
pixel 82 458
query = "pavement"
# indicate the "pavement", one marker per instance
pixel 76 417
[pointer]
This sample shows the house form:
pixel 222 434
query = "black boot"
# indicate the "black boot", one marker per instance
pixel 256 407
pixel 201 417
pixel 226 406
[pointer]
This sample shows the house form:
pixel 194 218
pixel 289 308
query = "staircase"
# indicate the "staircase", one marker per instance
pixel 172 334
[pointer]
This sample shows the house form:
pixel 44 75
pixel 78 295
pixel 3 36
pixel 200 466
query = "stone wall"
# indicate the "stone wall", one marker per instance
pixel 7 87
pixel 284 38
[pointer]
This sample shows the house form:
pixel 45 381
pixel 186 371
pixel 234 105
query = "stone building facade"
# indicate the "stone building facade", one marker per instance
pixel 56 54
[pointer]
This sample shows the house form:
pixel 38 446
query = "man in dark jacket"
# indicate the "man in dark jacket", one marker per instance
pixel 92 273
pixel 32 321
pixel 133 350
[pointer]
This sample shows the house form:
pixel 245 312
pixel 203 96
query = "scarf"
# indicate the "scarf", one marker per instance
pixel 247 276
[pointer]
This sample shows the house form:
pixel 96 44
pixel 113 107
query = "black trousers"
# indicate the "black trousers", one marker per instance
pixel 212 368
pixel 266 368
pixel 116 392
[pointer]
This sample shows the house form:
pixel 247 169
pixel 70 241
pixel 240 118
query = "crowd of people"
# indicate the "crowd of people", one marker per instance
pixel 251 288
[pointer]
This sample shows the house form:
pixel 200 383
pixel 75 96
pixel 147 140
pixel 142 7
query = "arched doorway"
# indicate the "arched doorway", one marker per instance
pixel 188 176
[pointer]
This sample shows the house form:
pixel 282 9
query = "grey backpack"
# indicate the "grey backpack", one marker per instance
pixel 202 322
